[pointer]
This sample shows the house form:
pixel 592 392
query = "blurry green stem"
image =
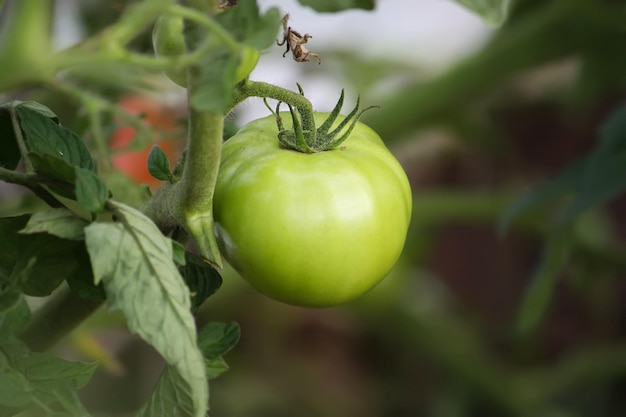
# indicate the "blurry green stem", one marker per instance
pixel 553 30
pixel 63 311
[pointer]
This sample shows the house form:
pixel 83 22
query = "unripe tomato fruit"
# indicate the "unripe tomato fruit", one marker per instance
pixel 157 115
pixel 168 39
pixel 311 230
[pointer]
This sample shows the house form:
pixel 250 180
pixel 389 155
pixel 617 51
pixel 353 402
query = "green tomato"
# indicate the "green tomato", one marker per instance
pixel 311 230
pixel 168 39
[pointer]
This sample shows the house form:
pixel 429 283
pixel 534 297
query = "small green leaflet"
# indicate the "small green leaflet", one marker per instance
pixel 134 262
pixel 158 164
pixel 217 339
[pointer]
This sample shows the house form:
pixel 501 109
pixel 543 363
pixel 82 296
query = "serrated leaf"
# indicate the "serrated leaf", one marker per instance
pixel 329 6
pixel 217 339
pixel 170 397
pixel 44 136
pixel 202 279
pixel 134 262
pixel 158 164
pixel 247 25
pixel 492 11
pixel 59 222
pixel 215 81
pixel 543 282
pixel 91 192
pixel 29 378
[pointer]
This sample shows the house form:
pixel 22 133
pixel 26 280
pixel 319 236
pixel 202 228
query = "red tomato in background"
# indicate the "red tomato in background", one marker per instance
pixel 160 116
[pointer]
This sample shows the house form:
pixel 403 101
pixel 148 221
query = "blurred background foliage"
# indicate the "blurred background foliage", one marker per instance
pixel 479 318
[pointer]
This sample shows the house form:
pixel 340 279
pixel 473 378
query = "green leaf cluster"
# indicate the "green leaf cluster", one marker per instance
pixel 103 250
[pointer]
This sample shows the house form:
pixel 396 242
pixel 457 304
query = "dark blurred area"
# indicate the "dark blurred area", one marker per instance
pixel 444 334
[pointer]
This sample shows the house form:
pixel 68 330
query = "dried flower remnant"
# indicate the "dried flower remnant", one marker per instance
pixel 295 43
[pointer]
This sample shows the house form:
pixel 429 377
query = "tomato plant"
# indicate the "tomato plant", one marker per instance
pixel 313 229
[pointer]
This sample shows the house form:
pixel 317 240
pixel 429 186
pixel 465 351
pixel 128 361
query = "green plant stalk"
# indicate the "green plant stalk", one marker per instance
pixel 555 30
pixel 248 88
pixel 197 185
pixel 60 315
pixel 26 43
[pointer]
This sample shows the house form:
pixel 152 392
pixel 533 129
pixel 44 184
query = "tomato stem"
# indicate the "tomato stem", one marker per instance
pixel 25 44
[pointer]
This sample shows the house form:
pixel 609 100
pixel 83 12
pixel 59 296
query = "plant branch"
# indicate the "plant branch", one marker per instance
pixel 60 315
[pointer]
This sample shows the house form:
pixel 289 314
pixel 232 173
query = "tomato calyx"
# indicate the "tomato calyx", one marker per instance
pixel 305 138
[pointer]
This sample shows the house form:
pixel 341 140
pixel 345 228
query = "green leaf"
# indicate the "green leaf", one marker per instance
pixel 14 312
pixel 325 6
pixel 9 242
pixel 134 262
pixel 81 280
pixel 170 397
pixel 9 150
pixel 158 164
pixel 37 263
pixel 492 11
pixel 605 172
pixel 44 136
pixel 216 78
pixel 43 262
pixel 55 168
pixel 179 253
pixel 247 25
pixel 217 339
pixel 30 379
pixel 543 282
pixel 215 367
pixel 202 279
pixel 59 222
pixel 91 192
pixel 38 108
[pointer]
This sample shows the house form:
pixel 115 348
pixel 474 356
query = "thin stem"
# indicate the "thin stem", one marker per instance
pixel 209 23
pixel 261 89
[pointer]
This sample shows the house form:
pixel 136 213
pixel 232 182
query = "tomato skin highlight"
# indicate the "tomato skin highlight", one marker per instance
pixel 311 230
